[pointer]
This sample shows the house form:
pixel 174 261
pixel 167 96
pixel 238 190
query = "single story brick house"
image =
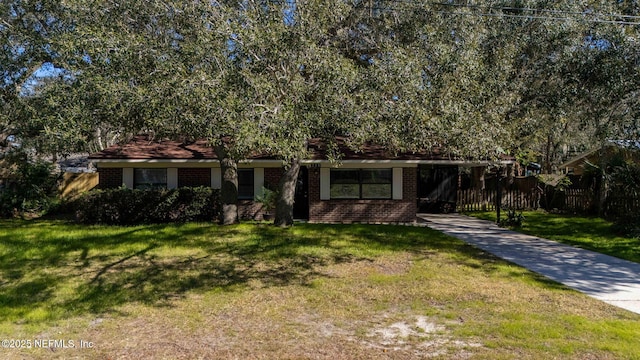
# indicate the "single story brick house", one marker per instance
pixel 368 185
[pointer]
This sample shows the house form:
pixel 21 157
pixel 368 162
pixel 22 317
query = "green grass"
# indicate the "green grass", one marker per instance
pixel 585 232
pixel 311 291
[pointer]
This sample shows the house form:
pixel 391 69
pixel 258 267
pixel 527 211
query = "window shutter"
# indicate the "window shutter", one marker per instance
pixel 325 183
pixel 397 184
pixel 216 178
pixel 258 181
pixel 127 177
pixel 172 178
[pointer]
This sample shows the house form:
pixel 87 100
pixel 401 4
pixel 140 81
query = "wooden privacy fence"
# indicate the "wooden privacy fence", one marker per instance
pixel 578 200
pixel 529 194
pixel 485 200
pixel 568 200
pixel 621 205
pixel 74 184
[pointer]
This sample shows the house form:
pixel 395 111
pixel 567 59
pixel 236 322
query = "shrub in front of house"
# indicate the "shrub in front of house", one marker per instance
pixel 27 186
pixel 130 207
pixel 627 225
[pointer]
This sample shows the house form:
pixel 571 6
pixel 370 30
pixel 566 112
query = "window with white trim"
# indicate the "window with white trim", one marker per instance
pixel 361 183
pixel 149 178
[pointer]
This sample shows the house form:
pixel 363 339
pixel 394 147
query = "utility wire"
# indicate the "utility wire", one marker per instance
pixel 510 8
pixel 514 16
pixel 586 16
pixel 563 15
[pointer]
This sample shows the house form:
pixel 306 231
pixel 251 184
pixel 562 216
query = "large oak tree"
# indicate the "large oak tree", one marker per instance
pixel 266 76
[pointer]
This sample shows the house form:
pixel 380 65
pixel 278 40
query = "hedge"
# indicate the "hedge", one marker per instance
pixel 124 206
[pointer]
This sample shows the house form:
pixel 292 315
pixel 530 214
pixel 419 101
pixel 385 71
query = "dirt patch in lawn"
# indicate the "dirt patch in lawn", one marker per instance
pixel 306 336
pixel 421 336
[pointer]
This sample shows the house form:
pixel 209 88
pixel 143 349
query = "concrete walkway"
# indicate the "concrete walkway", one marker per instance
pixel 603 277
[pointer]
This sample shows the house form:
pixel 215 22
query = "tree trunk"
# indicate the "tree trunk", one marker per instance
pixel 286 194
pixel 602 195
pixel 547 158
pixel 229 190
pixel 511 174
pixel 602 184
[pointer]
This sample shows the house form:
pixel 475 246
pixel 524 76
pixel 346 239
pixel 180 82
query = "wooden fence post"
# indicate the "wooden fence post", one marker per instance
pixel 498 197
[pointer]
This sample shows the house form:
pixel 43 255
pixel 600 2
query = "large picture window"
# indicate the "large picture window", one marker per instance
pixel 361 183
pixel 149 178
pixel 245 184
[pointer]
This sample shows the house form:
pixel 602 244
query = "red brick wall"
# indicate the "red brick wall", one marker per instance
pixel 109 178
pixel 319 211
pixel 194 177
pixel 364 210
pixel 272 177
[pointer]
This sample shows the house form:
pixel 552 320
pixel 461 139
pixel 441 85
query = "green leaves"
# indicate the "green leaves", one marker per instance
pixel 471 79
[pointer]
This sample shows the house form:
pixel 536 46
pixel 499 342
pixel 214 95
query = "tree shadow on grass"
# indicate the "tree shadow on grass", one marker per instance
pixel 589 233
pixel 59 270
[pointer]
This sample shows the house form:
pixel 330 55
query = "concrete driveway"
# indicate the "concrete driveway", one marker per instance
pixel 600 276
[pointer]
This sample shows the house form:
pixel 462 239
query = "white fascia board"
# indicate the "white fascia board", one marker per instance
pixel 361 163
pixel 403 163
pixel 484 163
pixel 276 163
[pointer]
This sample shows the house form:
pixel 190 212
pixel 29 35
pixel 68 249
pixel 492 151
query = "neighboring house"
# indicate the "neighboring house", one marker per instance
pixel 629 149
pixel 75 163
pixel 367 186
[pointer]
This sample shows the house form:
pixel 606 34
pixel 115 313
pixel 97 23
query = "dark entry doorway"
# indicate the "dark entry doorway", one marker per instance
pixel 301 204
pixel 437 188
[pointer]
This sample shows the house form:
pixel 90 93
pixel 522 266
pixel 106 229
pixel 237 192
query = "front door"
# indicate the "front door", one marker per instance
pixel 301 204
pixel 437 188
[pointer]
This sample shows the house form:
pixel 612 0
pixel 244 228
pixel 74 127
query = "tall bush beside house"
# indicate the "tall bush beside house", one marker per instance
pixel 623 198
pixel 554 187
pixel 130 207
pixel 27 186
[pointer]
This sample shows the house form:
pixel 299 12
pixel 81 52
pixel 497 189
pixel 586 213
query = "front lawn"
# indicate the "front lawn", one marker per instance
pixel 312 291
pixel 590 233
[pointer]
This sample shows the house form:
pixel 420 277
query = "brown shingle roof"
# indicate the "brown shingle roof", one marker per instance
pixel 141 147
pixel 369 151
